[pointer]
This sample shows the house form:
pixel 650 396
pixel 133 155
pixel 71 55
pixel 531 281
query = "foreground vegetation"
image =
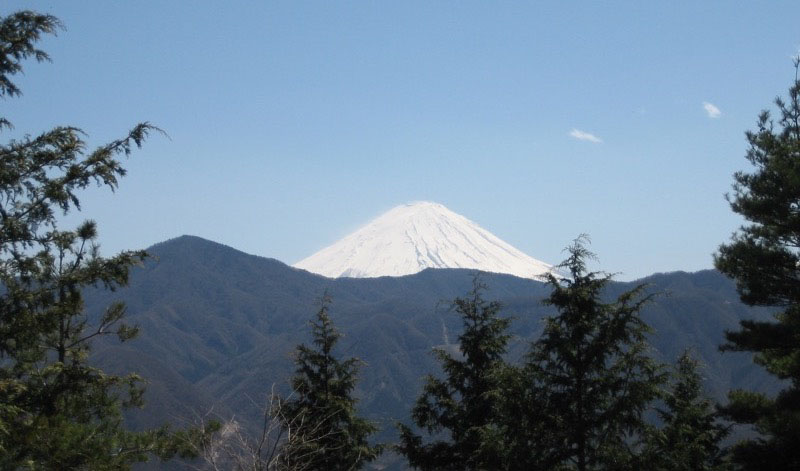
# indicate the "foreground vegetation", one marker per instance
pixel 578 400
pixel 56 410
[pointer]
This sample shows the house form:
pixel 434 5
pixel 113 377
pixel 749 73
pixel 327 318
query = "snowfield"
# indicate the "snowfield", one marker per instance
pixel 412 237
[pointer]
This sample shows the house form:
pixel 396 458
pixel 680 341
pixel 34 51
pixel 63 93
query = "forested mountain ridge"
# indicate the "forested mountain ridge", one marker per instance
pixel 218 327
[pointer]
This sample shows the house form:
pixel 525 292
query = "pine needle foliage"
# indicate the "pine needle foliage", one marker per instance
pixel 590 373
pixel 323 406
pixel 56 410
pixel 764 259
pixel 691 435
pixel 462 411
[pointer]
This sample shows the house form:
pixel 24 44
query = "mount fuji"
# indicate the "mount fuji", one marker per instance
pixel 412 237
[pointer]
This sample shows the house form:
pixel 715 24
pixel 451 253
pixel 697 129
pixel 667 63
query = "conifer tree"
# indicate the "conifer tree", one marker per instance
pixel 323 406
pixel 764 259
pixel 56 410
pixel 463 410
pixel 590 374
pixel 691 435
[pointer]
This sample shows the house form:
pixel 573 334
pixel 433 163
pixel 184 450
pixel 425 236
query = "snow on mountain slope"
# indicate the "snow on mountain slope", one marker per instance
pixel 412 237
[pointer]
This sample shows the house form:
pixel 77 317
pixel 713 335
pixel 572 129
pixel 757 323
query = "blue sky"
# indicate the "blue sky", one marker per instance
pixel 292 123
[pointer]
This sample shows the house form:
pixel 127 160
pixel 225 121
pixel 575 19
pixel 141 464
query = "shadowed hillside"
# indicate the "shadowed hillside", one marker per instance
pixel 218 327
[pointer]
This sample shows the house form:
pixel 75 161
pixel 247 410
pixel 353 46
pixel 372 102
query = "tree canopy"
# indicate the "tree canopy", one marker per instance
pixel 590 373
pixel 57 411
pixel 323 407
pixel 690 437
pixel 763 257
pixel 462 410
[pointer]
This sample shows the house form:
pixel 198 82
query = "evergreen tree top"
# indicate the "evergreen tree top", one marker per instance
pixel 466 403
pixel 590 371
pixel 690 438
pixel 323 402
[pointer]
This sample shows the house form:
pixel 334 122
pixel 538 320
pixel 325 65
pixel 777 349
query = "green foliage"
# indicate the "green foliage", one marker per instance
pixel 322 408
pixel 56 410
pixel 690 437
pixel 462 411
pixel 764 259
pixel 590 375
pixel 389 324
pixel 18 35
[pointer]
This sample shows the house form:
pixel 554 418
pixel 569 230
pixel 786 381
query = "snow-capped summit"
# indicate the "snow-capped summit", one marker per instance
pixel 415 236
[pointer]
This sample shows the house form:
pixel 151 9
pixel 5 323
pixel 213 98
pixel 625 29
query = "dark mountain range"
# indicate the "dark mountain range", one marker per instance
pixel 218 327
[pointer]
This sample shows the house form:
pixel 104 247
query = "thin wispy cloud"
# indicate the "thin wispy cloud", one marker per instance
pixel 585 136
pixel 712 111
